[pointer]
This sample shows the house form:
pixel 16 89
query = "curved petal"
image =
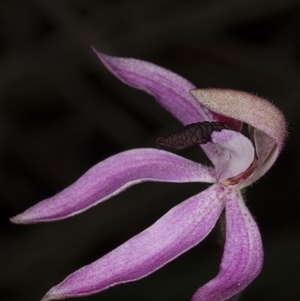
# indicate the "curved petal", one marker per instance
pixel 266 152
pixel 255 111
pixel 243 253
pixel 112 176
pixel 178 230
pixel 170 90
pixel 267 120
pixel 214 113
pixel 236 153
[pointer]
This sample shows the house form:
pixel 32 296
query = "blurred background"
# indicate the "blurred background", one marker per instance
pixel 62 112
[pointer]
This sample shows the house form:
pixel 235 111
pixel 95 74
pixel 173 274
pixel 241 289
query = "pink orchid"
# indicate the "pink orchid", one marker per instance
pixel 238 161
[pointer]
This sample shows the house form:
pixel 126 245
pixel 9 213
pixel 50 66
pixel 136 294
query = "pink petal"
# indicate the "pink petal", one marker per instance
pixel 170 90
pixel 236 153
pixel 112 176
pixel 243 253
pixel 180 229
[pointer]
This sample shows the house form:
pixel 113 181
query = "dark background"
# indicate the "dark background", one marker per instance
pixel 62 112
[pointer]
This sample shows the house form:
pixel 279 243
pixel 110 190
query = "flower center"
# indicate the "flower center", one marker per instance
pixel 242 176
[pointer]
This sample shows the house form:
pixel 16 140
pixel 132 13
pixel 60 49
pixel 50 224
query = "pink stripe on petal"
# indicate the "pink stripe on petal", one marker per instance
pixel 178 230
pixel 112 176
pixel 243 253
pixel 170 90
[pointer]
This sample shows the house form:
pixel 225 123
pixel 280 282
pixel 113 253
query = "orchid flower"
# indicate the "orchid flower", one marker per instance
pixel 237 162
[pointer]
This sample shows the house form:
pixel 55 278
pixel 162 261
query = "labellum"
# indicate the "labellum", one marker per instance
pixel 192 134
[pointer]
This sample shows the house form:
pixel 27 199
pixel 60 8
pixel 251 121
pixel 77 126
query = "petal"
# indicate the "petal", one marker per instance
pixel 246 107
pixel 243 253
pixel 236 153
pixel 178 230
pixel 267 120
pixel 266 152
pixel 112 176
pixel 170 90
